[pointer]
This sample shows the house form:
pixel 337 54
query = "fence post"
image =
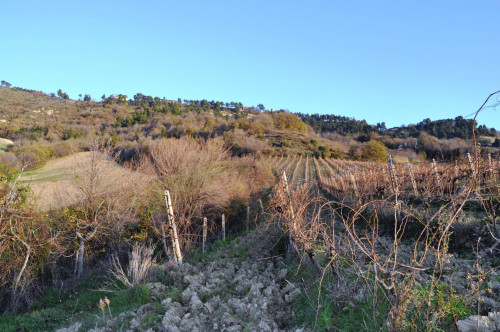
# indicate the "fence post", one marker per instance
pixel 412 178
pixel 473 168
pixel 490 163
pixel 288 201
pixel 248 217
pixel 354 185
pixel 204 234
pixel 394 182
pixel 223 227
pixel 173 228
pixel 436 173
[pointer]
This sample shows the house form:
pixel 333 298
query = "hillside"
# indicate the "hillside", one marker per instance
pixel 31 117
pixel 34 121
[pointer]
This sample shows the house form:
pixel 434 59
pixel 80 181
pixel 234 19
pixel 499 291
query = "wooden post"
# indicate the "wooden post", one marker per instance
pixel 412 178
pixel 248 217
pixel 173 228
pixel 288 202
pixel 355 187
pixel 473 168
pixel 223 227
pixel 164 241
pixel 394 182
pixel 287 198
pixel 436 173
pixel 306 171
pixel 204 234
pixel 490 163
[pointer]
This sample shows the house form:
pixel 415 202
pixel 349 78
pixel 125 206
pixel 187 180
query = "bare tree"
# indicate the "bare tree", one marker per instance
pixel 106 195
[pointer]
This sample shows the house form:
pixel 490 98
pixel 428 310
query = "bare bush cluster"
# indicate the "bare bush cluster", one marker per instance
pixel 140 262
pixel 202 178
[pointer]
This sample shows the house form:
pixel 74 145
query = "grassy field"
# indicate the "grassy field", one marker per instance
pixel 5 143
pixel 54 184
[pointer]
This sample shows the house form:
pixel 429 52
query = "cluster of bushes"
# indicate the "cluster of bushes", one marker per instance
pixel 35 155
pixel 373 150
pixel 285 120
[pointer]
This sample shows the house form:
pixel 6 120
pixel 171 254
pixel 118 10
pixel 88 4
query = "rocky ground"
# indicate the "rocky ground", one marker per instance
pixel 243 286
pixel 240 287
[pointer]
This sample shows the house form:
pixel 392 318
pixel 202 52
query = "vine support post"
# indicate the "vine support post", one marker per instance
pixel 223 227
pixel 248 218
pixel 436 173
pixel 394 182
pixel 473 169
pixel 412 178
pixel 204 234
pixel 173 228
pixel 490 164
pixel 288 203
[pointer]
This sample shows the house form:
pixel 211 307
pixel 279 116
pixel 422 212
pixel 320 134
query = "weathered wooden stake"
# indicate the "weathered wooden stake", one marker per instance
pixel 473 168
pixel 288 201
pixel 436 173
pixel 223 227
pixel 394 182
pixel 355 187
pixel 261 205
pixel 412 178
pixel 173 228
pixel 288 198
pixel 248 218
pixel 490 163
pixel 204 234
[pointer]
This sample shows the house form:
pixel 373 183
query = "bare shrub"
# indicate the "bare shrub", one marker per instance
pixel 105 204
pixel 25 243
pixel 9 159
pixel 27 158
pixel 140 262
pixel 64 148
pixel 202 178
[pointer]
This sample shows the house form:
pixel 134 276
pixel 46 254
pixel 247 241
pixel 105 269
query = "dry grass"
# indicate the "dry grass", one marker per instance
pixel 53 184
pixel 5 142
pixel 140 262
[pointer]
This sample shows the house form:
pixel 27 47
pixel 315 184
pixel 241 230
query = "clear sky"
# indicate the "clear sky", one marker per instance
pixel 393 61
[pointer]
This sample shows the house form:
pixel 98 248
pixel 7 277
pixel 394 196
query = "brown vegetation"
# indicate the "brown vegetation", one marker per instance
pixel 394 226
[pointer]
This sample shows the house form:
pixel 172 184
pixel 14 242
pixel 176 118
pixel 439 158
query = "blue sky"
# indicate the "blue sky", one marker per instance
pixel 392 61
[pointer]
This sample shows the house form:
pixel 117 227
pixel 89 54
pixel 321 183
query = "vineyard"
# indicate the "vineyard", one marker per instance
pixel 381 233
